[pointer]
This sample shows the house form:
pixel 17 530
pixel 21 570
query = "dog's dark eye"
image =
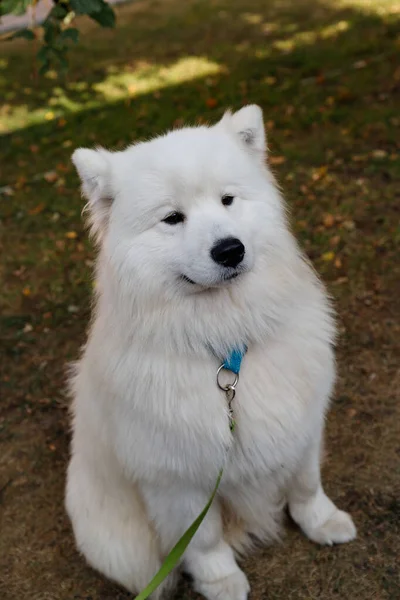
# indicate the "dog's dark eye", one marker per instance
pixel 227 199
pixel 174 218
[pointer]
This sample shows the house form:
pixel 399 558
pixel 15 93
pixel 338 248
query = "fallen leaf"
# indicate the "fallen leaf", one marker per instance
pixel 34 148
pixel 60 182
pixel 71 235
pixel 49 115
pixel 60 244
pixel 341 280
pixel 319 173
pixel 338 262
pixel 211 102
pixel 52 447
pixel 328 256
pixel 360 64
pixel 351 412
pixel 380 154
pixel 38 209
pixel 277 160
pixel 28 328
pixel 349 225
pixel 334 241
pixel 50 176
pixel 328 220
pixel 26 291
pixel 61 122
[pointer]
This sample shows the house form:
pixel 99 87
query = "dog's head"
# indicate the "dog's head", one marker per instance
pixel 188 211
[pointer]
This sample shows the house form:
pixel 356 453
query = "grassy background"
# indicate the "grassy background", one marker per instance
pixel 327 75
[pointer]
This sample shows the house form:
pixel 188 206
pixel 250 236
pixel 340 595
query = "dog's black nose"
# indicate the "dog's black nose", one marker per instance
pixel 228 252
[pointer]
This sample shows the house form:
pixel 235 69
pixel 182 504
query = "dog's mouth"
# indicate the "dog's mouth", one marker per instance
pixel 225 278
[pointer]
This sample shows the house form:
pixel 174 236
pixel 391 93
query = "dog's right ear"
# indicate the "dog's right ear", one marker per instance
pixel 94 170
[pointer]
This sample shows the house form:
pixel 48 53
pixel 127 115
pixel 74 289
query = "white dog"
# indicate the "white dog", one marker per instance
pixel 196 259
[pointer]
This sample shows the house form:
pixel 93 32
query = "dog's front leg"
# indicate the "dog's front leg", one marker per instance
pixel 208 558
pixel 311 508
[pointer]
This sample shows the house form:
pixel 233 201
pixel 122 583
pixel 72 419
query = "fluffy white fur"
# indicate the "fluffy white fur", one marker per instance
pixel 150 427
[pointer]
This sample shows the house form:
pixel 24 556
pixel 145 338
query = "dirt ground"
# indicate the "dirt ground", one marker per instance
pixel 327 75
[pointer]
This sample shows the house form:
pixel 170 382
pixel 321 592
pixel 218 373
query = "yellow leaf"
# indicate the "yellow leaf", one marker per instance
pixel 328 256
pixel 49 115
pixel 71 235
pixel 26 291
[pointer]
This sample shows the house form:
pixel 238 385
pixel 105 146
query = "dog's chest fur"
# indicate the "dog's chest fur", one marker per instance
pixel 168 418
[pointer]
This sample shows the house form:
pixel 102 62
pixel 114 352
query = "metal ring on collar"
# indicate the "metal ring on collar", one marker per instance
pixel 229 386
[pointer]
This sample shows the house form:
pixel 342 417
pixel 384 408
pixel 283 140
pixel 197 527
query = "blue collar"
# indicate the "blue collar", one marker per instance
pixel 234 361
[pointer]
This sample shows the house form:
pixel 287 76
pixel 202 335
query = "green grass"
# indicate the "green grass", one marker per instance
pixel 327 75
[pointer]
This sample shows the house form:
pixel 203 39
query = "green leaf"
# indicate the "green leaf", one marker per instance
pixel 23 33
pixel 51 32
pixel 106 17
pixel 44 67
pixel 15 7
pixel 58 12
pixel 87 7
pixel 43 54
pixel 70 34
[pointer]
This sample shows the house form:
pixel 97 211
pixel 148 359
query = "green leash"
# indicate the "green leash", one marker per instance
pixel 173 557
pixel 231 364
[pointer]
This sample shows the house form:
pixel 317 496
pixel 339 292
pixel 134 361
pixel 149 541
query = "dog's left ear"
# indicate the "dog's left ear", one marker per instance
pixel 248 124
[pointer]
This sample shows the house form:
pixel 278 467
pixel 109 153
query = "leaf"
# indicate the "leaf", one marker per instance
pixel 71 235
pixel 51 32
pixel 87 7
pixel 105 18
pixel 349 225
pixel 50 176
pixel 328 256
pixel 70 34
pixel 27 34
pixel 43 54
pixel 338 262
pixel 26 291
pixel 45 67
pixel 334 241
pixel 38 209
pixel 15 7
pixel 211 102
pixel 379 154
pixel 58 12
pixel 328 221
pixel 277 160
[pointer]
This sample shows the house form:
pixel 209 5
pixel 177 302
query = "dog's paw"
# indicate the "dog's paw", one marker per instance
pixel 233 587
pixel 322 522
pixel 338 529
